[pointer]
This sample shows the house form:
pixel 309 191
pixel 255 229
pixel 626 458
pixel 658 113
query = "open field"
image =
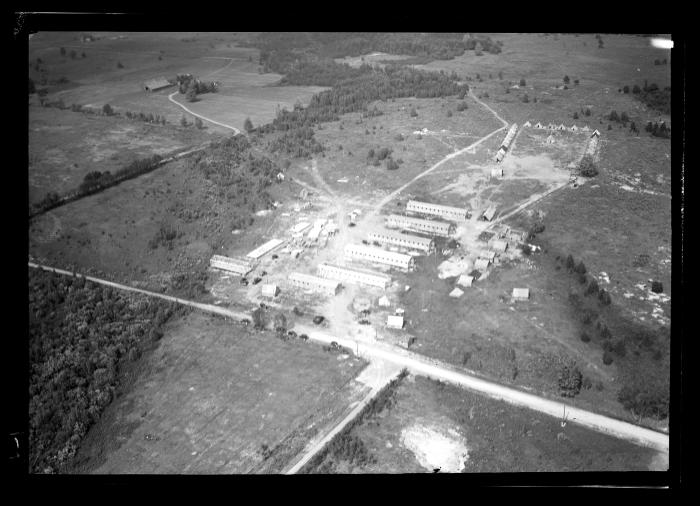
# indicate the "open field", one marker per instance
pixel 212 394
pixel 96 80
pixel 430 425
pixel 65 145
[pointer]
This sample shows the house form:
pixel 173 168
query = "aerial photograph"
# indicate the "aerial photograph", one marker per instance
pixel 348 253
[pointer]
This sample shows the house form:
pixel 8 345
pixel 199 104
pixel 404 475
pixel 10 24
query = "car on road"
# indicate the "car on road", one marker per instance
pixel 257 280
pixel 318 319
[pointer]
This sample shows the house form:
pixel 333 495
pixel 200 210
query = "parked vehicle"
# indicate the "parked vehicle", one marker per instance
pixel 257 280
pixel 304 337
pixel 318 319
pixel 291 333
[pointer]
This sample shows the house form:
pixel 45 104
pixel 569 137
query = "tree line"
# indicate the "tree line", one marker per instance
pixel 80 335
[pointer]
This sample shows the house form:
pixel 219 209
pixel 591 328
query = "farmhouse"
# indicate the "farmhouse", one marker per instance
pixel 489 213
pixel 235 265
pixel 394 321
pixel 354 276
pixel 432 227
pixel 465 280
pixel 315 283
pixel 521 293
pixel 406 240
pixel 156 84
pixel 270 290
pixel 447 212
pixel 481 264
pixel 497 173
pixel 378 255
pixel 265 248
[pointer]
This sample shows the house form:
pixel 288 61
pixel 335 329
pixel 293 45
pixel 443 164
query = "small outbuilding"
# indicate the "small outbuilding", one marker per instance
pixel 489 213
pixel 595 133
pixel 499 245
pixel 482 264
pixel 384 301
pixel 521 293
pixel 394 322
pixel 465 280
pixel 539 125
pixel 497 172
pixel 270 290
pixel 456 293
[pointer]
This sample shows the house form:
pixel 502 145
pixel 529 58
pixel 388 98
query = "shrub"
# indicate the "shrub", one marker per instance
pixel 522 82
pixel 645 398
pixel 585 337
pixel 587 167
pixel 525 98
pixel 607 357
pixel 391 164
pixel 449 113
pixel 604 297
pixel 657 287
pixel 119 65
pixel 107 110
pixel 592 288
pixel 413 112
pixel 580 268
pixel 570 380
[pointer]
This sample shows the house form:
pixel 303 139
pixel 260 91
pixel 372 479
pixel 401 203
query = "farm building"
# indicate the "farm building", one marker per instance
pixel 509 136
pixel 235 265
pixel 394 321
pixel 527 124
pixel 315 283
pixel 500 155
pixel 156 84
pixel 265 248
pixel 432 227
pixel 270 290
pixel 499 245
pixel 406 240
pixel 465 280
pixel 489 213
pixel 539 125
pixel 521 293
pixel 456 293
pixel 481 264
pixel 551 126
pixel 378 255
pixel 497 173
pixel 354 276
pixel 446 212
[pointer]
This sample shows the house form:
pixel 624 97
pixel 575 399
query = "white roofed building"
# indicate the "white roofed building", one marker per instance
pixel 447 212
pixel 432 227
pixel 265 248
pixel 521 293
pixel 270 290
pixel 234 265
pixel 406 240
pixel 378 255
pixel 354 276
pixel 314 283
pixel 394 321
pixel 465 280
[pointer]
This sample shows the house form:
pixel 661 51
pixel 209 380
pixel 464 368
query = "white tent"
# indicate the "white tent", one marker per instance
pixel 384 301
pixel 456 293
pixel 521 293
pixel 465 280
pixel 394 322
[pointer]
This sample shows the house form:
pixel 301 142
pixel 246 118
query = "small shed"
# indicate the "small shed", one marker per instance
pixel 465 280
pixel 456 293
pixel 595 133
pixel 489 213
pixel 499 245
pixel 384 301
pixel 481 264
pixel 497 172
pixel 270 290
pixel 156 84
pixel 394 321
pixel 521 293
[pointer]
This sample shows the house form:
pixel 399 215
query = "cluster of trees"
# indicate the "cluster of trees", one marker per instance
pixel 241 177
pixel 375 157
pixel 587 167
pixel 147 118
pixel 658 129
pixel 560 371
pixel 80 334
pixel 190 86
pixel 97 180
pixel 654 97
pixel 165 236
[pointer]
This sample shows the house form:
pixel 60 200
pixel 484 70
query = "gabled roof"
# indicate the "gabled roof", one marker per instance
pixel 456 293
pixel 527 124
pixel 465 280
pixel 539 125
pixel 156 83
pixel 573 128
pixel 595 133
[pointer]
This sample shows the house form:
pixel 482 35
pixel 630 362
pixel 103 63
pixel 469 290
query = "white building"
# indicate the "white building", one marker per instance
pixel 465 280
pixel 394 321
pixel 384 301
pixel 489 213
pixel 235 265
pixel 481 264
pixel 456 293
pixel 509 136
pixel 521 293
pixel 539 125
pixel 265 248
pixel 573 128
pixel 315 283
pixel 497 173
pixel 378 255
pixel 354 276
pixel 500 155
pixel 432 227
pixel 447 212
pixel 270 290
pixel 406 240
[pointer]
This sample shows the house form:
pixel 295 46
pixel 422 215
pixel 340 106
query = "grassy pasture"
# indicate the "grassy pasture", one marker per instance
pixel 498 437
pixel 180 416
pixel 66 145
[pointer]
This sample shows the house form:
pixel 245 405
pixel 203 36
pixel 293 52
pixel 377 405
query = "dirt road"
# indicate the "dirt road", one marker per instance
pixel 419 365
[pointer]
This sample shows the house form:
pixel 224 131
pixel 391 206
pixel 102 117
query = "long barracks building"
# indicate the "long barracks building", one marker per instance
pixel 315 283
pixel 447 212
pixel 405 240
pixel 432 227
pixel 378 255
pixel 235 265
pixel 354 276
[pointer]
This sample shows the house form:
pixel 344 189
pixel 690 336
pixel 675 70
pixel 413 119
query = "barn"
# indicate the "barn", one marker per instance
pixel 270 290
pixel 234 265
pixel 309 282
pixel 378 255
pixel 156 84
pixel 432 227
pixel 405 240
pixel 595 133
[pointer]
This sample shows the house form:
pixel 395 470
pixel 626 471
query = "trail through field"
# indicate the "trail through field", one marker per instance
pixel 435 369
pixel 170 97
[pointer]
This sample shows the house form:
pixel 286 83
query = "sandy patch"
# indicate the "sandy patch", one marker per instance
pixel 436 447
